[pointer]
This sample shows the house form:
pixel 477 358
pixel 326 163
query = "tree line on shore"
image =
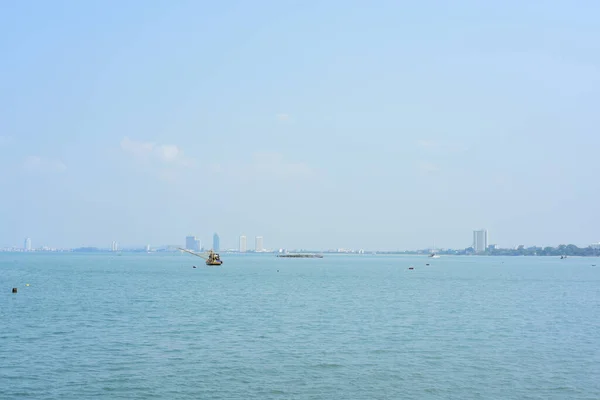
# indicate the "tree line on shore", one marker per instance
pixel 561 250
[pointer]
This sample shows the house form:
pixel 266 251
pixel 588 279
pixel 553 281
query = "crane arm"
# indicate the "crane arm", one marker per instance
pixel 194 253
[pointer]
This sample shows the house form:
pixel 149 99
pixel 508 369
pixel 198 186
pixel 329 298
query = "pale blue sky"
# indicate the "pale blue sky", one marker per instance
pixel 319 124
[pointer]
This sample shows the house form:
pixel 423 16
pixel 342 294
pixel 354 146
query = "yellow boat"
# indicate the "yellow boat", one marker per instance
pixel 212 258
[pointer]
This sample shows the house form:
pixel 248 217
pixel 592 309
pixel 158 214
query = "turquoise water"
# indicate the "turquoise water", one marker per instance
pixel 342 327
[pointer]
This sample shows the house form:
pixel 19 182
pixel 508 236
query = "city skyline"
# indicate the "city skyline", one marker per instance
pixel 480 243
pixel 278 243
pixel 539 250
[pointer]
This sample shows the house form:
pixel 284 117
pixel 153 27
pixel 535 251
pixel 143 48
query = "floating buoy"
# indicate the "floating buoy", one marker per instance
pixel 27 284
pixel 14 290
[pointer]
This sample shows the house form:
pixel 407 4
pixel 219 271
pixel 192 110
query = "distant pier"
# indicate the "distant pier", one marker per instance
pixel 300 255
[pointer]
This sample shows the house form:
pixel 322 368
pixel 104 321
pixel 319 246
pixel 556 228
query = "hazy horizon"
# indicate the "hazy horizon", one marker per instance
pixel 314 125
pixel 251 247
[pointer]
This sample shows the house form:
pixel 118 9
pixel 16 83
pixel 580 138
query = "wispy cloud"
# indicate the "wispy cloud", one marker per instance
pixel 136 148
pixel 283 117
pixel 428 167
pixel 275 165
pixel 39 164
pixel 265 167
pixel 166 161
pixel 168 154
pixel 437 154
pixel 428 144
pixel 440 146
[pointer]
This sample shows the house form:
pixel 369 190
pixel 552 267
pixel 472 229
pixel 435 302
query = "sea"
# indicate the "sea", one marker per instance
pixel 150 326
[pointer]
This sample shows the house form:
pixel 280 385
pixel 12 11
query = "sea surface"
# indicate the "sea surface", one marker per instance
pixel 149 326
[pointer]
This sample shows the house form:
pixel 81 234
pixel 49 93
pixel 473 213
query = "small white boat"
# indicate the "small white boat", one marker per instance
pixel 433 255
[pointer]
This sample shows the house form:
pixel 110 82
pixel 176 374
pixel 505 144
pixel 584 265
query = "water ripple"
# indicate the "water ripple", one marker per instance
pixel 148 326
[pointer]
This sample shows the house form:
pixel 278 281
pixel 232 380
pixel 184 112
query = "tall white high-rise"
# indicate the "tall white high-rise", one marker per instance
pixel 243 247
pixel 27 245
pixel 115 246
pixel 258 244
pixel 480 240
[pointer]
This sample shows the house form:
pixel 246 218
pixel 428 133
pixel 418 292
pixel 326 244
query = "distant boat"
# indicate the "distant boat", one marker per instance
pixel 433 255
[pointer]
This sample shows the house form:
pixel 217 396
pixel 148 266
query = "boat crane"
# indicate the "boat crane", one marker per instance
pixel 212 258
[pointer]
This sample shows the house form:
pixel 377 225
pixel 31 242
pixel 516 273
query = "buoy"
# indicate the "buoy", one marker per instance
pixel 14 290
pixel 27 284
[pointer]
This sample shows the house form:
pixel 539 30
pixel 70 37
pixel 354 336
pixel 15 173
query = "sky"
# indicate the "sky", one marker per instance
pixel 337 124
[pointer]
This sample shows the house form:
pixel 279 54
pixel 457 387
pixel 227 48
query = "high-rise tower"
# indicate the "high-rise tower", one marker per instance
pixel 480 240
pixel 259 244
pixel 191 243
pixel 216 242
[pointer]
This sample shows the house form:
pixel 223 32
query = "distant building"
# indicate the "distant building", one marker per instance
pixel 258 244
pixel 595 246
pixel 115 246
pixel 27 245
pixel 480 240
pixel 216 242
pixel 191 243
pixel 243 246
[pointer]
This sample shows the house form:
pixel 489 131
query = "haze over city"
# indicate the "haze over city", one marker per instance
pixel 317 125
